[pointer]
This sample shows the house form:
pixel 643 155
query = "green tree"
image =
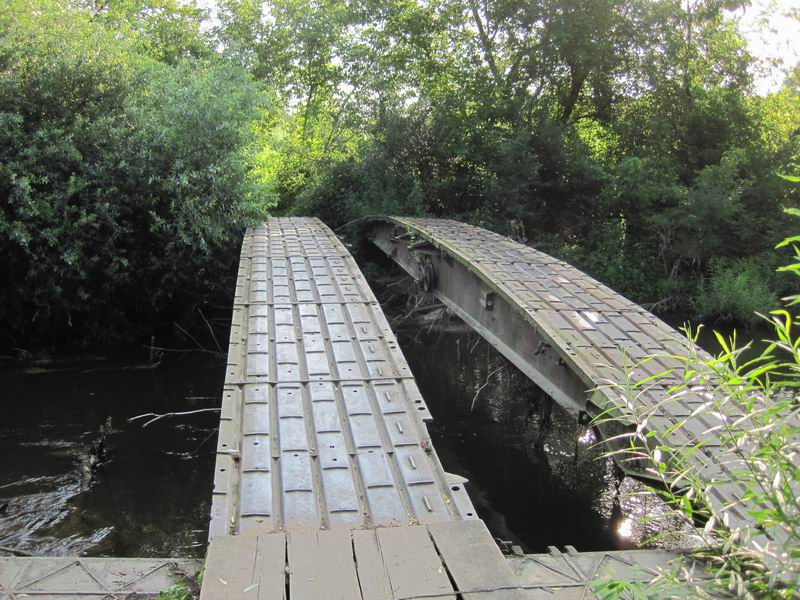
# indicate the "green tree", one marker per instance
pixel 167 30
pixel 124 182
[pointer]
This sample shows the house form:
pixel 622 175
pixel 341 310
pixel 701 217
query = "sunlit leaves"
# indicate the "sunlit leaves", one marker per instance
pixel 751 412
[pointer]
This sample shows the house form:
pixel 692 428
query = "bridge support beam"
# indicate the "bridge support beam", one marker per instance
pixel 486 312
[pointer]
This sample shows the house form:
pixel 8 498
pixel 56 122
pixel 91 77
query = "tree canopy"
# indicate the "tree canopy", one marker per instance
pixel 624 134
pixel 125 176
pixel 139 137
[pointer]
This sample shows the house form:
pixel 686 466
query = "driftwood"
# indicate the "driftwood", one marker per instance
pixel 158 417
pixel 210 330
pixel 487 382
pixel 15 552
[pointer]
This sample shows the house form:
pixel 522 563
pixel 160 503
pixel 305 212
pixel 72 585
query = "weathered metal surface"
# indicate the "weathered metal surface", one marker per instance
pixel 570 575
pixel 322 424
pixel 569 333
pixel 91 578
pixel 577 322
pixel 440 560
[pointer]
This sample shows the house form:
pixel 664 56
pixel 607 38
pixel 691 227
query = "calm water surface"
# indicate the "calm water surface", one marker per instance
pixel 536 481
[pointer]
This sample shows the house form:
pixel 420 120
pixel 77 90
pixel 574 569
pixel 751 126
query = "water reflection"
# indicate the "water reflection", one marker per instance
pixel 537 477
pixel 151 496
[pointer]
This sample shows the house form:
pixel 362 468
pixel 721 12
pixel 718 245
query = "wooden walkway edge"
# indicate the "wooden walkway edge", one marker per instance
pixel 440 560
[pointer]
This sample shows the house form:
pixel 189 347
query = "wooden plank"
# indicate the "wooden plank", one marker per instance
pixel 230 571
pixel 474 560
pixel 271 566
pixel 246 566
pixel 412 563
pixel 372 573
pixel 321 566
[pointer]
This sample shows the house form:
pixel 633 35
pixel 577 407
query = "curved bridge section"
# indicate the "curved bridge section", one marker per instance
pixel 569 333
pixel 327 486
pixel 322 424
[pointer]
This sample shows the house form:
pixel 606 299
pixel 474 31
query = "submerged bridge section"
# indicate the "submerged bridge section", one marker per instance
pixel 568 332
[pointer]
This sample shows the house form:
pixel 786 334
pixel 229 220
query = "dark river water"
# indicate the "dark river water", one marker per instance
pixel 536 477
pixel 149 498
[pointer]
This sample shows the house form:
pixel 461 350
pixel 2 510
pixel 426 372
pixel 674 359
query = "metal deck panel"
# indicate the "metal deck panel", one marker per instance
pixel 322 424
pixel 595 332
pixel 571 574
pixel 575 310
pixel 443 560
pixel 91 578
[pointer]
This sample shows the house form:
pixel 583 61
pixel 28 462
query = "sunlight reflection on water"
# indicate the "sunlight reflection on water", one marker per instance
pixel 537 478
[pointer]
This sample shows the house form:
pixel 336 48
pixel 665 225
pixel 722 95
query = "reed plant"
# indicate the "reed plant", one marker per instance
pixel 748 403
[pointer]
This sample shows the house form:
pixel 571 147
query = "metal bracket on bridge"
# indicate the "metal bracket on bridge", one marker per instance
pixel 486 311
pixel 427 275
pixel 487 299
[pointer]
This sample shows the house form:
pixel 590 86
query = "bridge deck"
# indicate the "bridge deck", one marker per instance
pixel 326 483
pixel 593 327
pixel 438 560
pixel 322 423
pixel 571 334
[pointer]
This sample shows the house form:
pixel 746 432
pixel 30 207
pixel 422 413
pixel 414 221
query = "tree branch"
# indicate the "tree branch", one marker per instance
pixel 486 43
pixel 158 417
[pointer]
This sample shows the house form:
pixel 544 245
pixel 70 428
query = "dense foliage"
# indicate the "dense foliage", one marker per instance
pixel 138 137
pixel 623 134
pixel 124 180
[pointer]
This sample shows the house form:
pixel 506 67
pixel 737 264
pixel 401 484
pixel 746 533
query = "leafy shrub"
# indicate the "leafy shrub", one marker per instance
pixel 737 289
pixel 124 182
pixel 749 411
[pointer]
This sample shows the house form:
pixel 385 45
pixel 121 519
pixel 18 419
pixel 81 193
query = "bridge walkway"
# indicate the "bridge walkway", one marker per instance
pixel 572 336
pixel 322 424
pixel 326 482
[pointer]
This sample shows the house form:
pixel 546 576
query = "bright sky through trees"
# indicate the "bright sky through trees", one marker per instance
pixel 772 29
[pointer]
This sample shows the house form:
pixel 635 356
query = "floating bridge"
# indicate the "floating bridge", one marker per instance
pixel 572 336
pixel 322 425
pixel 327 485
